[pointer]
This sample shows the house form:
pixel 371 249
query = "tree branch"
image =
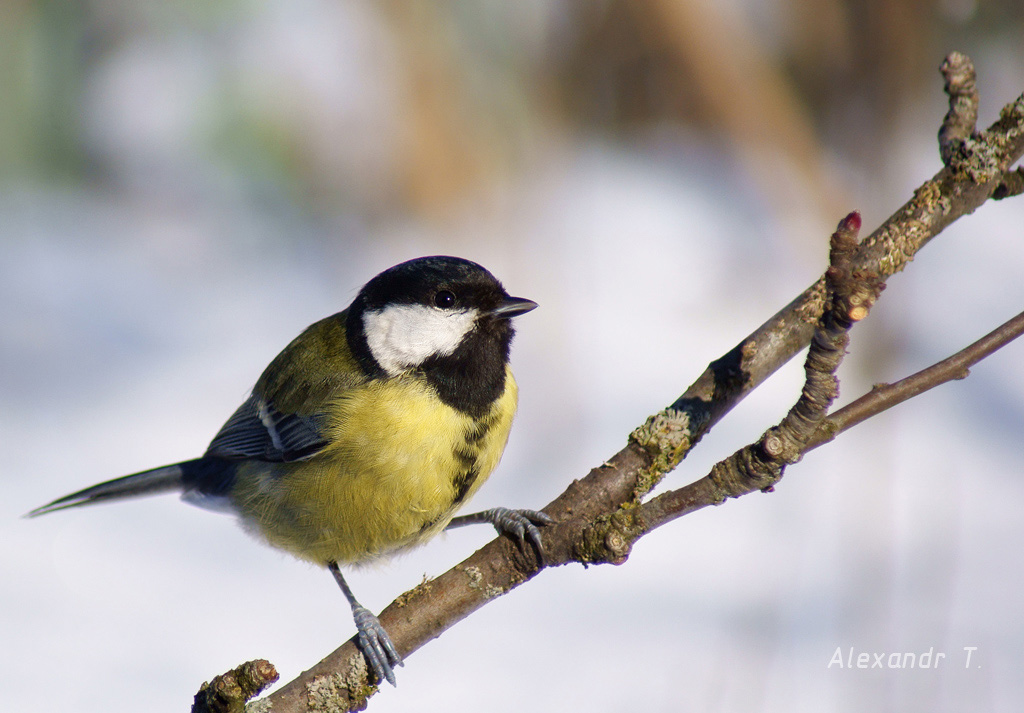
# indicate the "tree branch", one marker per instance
pixel 850 295
pixel 885 396
pixel 228 692
pixel 599 516
pixel 962 89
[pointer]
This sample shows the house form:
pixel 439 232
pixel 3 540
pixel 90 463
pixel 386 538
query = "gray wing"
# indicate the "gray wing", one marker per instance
pixel 258 430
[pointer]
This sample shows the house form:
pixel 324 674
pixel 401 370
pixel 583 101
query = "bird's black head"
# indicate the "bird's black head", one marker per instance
pixel 446 317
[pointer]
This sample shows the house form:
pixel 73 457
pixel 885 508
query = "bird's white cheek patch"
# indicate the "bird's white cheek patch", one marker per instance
pixel 404 336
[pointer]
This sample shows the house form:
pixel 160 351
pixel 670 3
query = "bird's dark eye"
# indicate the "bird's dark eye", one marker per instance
pixel 444 299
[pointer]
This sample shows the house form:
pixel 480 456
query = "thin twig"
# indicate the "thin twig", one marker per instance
pixel 885 396
pixel 851 294
pixel 228 692
pixel 961 86
pixel 689 498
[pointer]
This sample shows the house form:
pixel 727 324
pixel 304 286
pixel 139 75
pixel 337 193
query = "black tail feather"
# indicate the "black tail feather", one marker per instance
pixel 169 478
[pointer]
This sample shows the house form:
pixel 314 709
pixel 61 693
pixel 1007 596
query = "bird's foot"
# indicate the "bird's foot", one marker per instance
pixel 518 524
pixel 374 642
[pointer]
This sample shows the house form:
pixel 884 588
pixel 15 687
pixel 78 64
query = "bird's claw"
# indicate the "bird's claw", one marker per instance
pixel 374 642
pixel 520 524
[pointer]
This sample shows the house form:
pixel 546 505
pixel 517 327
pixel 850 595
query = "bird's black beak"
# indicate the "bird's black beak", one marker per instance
pixel 513 307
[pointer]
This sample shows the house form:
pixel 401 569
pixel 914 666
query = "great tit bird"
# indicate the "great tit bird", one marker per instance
pixel 366 434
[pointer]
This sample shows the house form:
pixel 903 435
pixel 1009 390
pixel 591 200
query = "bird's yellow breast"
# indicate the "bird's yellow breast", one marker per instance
pixel 399 464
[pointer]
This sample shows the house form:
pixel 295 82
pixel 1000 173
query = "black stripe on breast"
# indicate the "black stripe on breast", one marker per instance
pixel 467 454
pixel 463 482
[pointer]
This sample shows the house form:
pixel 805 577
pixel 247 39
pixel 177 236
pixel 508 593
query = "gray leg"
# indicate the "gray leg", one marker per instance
pixel 380 653
pixel 520 524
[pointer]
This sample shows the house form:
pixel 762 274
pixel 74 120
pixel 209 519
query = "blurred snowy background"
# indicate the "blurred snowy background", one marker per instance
pixel 184 186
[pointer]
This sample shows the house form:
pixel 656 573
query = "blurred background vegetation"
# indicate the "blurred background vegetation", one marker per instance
pixel 371 110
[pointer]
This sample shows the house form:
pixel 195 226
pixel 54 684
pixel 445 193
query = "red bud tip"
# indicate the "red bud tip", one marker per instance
pixel 851 222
